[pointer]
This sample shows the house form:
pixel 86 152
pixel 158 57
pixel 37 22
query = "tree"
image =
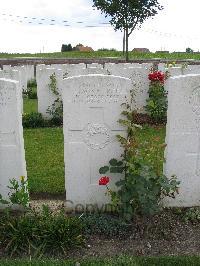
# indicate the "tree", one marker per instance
pixel 189 50
pixel 127 15
pixel 66 48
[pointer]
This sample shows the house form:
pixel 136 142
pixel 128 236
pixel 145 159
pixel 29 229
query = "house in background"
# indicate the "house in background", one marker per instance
pixel 82 48
pixel 141 50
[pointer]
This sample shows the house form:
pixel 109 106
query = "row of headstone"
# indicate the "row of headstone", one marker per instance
pixel 137 73
pixel 178 69
pixel 92 107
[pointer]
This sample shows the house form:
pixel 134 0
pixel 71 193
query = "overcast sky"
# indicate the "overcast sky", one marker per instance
pixel 25 26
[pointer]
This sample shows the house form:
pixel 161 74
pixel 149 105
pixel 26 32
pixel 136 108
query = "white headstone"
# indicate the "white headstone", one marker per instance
pixel 45 96
pixel 95 65
pixel 12 74
pixel 29 72
pixel 24 79
pixel 92 107
pixel 70 70
pixel 191 69
pixel 183 138
pixel 12 155
pixel 175 71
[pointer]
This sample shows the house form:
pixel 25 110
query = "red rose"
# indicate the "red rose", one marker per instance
pixel 157 76
pixel 104 180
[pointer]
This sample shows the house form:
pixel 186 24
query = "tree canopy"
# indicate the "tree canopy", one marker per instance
pixel 128 14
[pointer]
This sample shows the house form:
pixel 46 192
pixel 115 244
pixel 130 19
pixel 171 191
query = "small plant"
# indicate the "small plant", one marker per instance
pixel 143 185
pixel 31 91
pixel 192 215
pixel 105 225
pixel 33 120
pixel 157 102
pixel 56 109
pixel 18 193
pixel 35 234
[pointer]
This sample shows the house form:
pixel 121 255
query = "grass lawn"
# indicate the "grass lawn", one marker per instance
pixel 45 159
pixel 112 54
pixel 30 105
pixel 45 156
pixel 120 261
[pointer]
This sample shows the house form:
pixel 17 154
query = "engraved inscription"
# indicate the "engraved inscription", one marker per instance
pixel 195 101
pixel 7 139
pixel 5 97
pixel 96 136
pixel 88 94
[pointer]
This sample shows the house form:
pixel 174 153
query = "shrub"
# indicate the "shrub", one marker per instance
pixel 35 234
pixel 18 192
pixel 143 185
pixel 157 102
pixel 56 109
pixel 33 120
pixel 32 83
pixel 31 92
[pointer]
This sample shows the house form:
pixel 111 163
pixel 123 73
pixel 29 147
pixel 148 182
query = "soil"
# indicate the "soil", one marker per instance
pixel 144 119
pixel 162 235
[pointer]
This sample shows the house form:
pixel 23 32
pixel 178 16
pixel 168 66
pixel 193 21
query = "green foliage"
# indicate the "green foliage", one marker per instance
pixel 30 105
pixel 192 215
pixel 157 102
pixel 66 48
pixel 33 120
pixel 120 260
pixel 107 50
pixel 143 185
pixel 31 91
pixel 189 50
pixel 105 225
pixel 32 83
pixel 56 109
pixel 126 15
pixel 35 234
pixel 18 193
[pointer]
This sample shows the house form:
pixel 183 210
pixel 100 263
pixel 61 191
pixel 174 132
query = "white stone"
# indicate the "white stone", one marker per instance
pixel 23 74
pixel 183 138
pixel 45 96
pixel 191 69
pixel 70 70
pixel 162 67
pixel 92 107
pixel 175 71
pixel 95 65
pixel 12 155
pixel 29 72
pixel 12 74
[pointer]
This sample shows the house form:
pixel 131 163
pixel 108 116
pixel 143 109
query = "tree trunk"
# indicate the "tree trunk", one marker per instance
pixel 124 41
pixel 126 44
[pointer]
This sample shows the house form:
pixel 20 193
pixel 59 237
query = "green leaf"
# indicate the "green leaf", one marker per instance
pixel 103 170
pixel 116 170
pixel 113 162
pixel 119 163
pixel 120 183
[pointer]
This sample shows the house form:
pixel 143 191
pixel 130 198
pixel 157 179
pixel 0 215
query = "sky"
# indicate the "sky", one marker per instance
pixel 26 26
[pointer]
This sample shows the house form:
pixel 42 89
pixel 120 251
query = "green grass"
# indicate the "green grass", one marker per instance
pixel 45 160
pixel 103 54
pixel 30 105
pixel 120 261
